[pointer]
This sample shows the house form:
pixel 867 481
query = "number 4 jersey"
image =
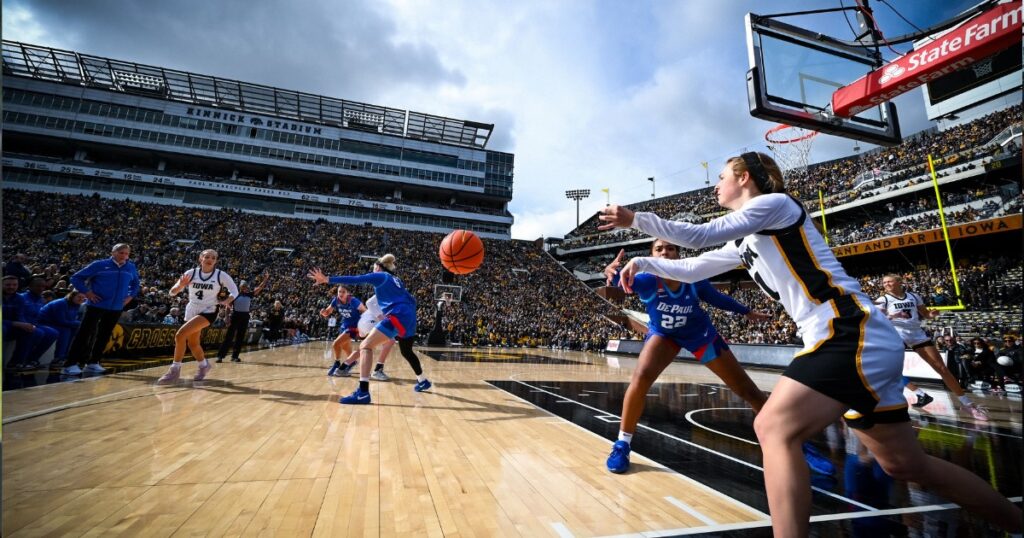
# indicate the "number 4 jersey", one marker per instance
pixel 204 289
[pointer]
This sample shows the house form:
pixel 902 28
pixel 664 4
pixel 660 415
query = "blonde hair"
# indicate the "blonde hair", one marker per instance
pixel 773 183
pixel 387 262
pixel 211 251
pixel 893 276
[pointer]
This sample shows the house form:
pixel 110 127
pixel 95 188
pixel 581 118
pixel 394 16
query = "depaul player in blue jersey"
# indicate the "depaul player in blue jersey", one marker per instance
pixel 678 321
pixel 349 308
pixel 399 309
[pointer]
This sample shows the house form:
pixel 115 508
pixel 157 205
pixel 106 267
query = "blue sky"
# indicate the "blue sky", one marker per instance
pixel 587 94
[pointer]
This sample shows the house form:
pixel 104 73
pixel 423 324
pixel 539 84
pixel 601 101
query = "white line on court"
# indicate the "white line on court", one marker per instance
pixel 690 510
pixel 684 478
pixel 814 519
pixel 562 530
pixel 695 423
pixel 706 449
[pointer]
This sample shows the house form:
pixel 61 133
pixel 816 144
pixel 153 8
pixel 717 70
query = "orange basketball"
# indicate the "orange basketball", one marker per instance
pixel 461 252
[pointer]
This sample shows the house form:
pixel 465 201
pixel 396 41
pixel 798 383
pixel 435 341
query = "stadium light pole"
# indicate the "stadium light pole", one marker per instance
pixel 577 194
pixel 651 179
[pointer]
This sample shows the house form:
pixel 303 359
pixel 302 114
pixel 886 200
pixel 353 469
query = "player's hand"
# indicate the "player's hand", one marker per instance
pixel 324 312
pixel 316 275
pixel 93 298
pixel 613 268
pixel 627 274
pixel 27 327
pixel 185 280
pixel 127 300
pixel 754 315
pixel 615 216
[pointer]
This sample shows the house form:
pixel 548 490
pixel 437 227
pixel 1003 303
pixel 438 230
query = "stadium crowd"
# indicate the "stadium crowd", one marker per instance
pixel 166 241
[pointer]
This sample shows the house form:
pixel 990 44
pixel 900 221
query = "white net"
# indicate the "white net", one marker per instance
pixel 791 148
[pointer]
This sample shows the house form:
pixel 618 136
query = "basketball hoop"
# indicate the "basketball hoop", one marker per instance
pixel 791 147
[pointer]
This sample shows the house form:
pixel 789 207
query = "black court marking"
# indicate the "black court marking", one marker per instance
pixel 494 356
pixel 993 456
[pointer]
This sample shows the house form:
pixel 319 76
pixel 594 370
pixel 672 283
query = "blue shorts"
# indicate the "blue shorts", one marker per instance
pixel 399 323
pixel 353 332
pixel 706 347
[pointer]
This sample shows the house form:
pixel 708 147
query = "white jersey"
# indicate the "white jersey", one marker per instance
pixel 204 289
pixel 369 318
pixel 902 312
pixel 843 333
pixel 904 315
pixel 779 247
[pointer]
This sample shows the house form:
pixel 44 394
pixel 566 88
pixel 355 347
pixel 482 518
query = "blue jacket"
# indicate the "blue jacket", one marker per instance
pixel 112 283
pixel 60 313
pixel 31 304
pixel 12 312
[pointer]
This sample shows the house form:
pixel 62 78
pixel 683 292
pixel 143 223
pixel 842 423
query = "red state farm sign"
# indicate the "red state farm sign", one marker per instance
pixel 980 37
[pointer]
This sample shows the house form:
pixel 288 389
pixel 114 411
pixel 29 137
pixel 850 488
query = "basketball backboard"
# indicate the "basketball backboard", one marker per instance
pixel 794 72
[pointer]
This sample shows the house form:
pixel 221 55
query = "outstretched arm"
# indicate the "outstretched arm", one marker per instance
pixel 704 266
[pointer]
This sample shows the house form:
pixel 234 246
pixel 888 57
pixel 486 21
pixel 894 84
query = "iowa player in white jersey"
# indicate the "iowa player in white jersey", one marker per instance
pixel 204 284
pixel 906 310
pixel 852 356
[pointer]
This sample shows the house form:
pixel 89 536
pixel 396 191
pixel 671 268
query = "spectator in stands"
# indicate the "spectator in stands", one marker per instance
pixel 1010 373
pixel 16 267
pixel 238 323
pixel 173 316
pixel 27 357
pixel 956 360
pixel 62 315
pixel 981 361
pixel 275 322
pixel 109 284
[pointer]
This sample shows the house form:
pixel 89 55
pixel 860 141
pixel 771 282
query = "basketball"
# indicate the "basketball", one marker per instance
pixel 461 252
pixel 1003 360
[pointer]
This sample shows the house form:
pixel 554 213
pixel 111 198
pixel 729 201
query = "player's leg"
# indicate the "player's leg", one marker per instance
pixel 362 394
pixel 657 353
pixel 897 449
pixel 728 369
pixel 793 414
pixel 195 325
pixel 382 357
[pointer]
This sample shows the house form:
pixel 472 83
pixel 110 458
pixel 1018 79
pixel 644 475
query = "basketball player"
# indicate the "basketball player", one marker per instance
pixel 399 309
pixel 852 360
pixel 676 320
pixel 367 320
pixel 349 308
pixel 204 283
pixel 906 310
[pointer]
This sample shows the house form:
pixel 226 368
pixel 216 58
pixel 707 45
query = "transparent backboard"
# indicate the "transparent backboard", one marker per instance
pixel 794 72
pixel 445 292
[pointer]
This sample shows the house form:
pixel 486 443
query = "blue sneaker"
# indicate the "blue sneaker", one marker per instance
pixel 817 461
pixel 356 398
pixel 333 369
pixel 618 460
pixel 422 385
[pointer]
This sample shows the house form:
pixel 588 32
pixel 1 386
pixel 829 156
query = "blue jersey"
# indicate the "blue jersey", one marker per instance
pixel 678 314
pixel 348 313
pixel 391 292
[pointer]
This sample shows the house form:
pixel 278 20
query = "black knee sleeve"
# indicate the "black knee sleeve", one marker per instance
pixel 405 346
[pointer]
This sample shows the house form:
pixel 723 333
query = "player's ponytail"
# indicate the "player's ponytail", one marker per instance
pixel 387 262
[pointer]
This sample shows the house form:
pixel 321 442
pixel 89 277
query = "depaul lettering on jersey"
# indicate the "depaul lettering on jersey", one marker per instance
pixel 675 309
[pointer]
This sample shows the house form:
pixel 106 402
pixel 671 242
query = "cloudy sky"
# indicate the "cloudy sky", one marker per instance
pixel 586 93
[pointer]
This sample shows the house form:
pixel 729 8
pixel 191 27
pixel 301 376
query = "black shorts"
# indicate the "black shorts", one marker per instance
pixel 210 316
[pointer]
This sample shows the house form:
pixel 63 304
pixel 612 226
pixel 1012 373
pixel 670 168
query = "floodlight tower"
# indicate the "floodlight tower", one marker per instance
pixel 577 194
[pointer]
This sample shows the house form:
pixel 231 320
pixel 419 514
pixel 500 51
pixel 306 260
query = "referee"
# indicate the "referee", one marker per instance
pixel 239 322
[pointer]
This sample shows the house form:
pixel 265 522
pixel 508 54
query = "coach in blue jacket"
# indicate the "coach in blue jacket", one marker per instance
pixel 108 284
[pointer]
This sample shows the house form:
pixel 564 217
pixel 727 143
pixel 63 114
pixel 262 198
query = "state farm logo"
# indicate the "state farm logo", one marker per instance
pixel 891 72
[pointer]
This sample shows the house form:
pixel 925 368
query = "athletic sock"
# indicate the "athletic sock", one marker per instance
pixel 965 400
pixel 920 392
pixel 175 365
pixel 204 363
pixel 421 378
pixel 364 384
pixel 379 367
pixel 627 437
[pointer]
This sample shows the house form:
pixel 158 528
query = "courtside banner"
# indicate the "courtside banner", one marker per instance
pixel 978 38
pixel 990 226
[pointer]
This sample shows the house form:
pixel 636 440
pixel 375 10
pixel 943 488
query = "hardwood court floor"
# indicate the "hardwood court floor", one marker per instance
pixel 504 444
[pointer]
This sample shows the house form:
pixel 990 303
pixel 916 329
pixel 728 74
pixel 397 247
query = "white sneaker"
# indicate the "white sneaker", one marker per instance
pixel 203 370
pixel 71 370
pixel 171 376
pixel 978 412
pixel 94 368
pixel 379 375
